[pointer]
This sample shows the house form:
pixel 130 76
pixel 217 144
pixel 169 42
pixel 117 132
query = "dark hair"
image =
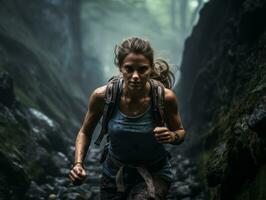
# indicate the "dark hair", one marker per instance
pixel 160 68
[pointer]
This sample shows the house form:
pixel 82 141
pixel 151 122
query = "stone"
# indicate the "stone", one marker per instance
pixel 6 89
pixel 257 120
pixel 35 191
pixel 72 196
pixel 216 165
pixel 52 197
pixel 60 160
pixel 183 191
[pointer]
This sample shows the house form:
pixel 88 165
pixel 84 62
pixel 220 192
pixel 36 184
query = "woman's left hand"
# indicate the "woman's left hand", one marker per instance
pixel 163 135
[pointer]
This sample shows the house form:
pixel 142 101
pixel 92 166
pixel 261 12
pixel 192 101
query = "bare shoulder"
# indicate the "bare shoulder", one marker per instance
pixel 170 96
pixel 96 100
pixel 99 92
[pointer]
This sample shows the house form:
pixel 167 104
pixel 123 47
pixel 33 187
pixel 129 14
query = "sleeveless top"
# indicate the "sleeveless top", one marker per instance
pixel 132 141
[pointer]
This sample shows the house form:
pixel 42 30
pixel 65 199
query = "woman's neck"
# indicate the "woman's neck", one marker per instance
pixel 136 95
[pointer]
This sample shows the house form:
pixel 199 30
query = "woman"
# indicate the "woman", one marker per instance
pixel 137 165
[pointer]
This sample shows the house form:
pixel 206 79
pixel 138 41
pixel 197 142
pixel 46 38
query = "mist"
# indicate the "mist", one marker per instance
pixel 166 24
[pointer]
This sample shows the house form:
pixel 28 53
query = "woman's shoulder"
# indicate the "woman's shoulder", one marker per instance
pixel 99 92
pixel 97 96
pixel 169 96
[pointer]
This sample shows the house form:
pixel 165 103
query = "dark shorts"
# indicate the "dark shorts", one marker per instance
pixel 135 190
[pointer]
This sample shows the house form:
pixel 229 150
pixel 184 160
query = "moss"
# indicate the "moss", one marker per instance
pixel 11 146
pixel 52 107
pixel 201 163
pixel 3 67
pixel 36 172
pixel 255 189
pixel 24 98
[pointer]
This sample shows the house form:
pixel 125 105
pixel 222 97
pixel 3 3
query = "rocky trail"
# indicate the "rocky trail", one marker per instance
pixel 185 187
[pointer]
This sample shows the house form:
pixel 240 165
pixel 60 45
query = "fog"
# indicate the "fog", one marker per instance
pixel 165 23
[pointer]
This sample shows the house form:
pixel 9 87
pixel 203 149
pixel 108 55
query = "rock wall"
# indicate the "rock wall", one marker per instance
pixel 222 95
pixel 40 48
pixel 40 104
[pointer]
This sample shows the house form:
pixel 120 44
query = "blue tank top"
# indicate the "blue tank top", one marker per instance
pixel 132 140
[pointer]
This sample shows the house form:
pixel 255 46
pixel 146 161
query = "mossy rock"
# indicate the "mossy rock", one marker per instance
pixel 255 188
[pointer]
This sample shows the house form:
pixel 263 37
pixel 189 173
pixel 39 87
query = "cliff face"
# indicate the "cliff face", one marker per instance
pixel 40 50
pixel 40 110
pixel 222 94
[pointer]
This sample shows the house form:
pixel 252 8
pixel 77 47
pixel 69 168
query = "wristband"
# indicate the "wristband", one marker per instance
pixel 177 139
pixel 78 163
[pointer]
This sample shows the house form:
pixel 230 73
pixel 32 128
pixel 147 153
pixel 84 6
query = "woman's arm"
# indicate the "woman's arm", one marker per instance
pixel 174 132
pixel 93 115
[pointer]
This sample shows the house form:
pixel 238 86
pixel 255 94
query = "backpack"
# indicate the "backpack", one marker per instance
pixel 113 89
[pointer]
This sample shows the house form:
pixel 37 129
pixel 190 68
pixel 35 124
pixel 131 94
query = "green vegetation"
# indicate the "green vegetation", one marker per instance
pixel 24 98
pixel 3 67
pixel 201 163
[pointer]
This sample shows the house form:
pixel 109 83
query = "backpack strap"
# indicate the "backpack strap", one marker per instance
pixel 158 102
pixel 112 90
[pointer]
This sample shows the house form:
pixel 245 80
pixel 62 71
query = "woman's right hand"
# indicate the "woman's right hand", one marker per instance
pixel 77 174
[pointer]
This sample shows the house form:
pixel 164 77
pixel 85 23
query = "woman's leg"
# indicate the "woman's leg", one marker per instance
pixel 108 190
pixel 139 191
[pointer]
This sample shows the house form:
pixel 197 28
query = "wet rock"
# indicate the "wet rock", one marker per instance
pixel 6 89
pixel 216 166
pixel 241 126
pixel 195 187
pixel 257 120
pixel 7 116
pixel 45 161
pixel 177 184
pixel 186 185
pixel 61 181
pixel 95 189
pixel 48 188
pixel 14 179
pixel 61 190
pixel 64 171
pixel 35 192
pixel 41 118
pixel 186 163
pixel 183 191
pixel 94 155
pixel 60 160
pixel 87 191
pixel 186 198
pixel 52 197
pixel 71 153
pixel 94 178
pixel 72 196
pixel 46 131
pixel 80 192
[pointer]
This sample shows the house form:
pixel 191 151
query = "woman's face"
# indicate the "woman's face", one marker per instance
pixel 136 70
